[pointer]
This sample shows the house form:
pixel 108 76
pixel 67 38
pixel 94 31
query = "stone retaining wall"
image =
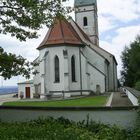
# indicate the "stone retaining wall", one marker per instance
pixel 124 117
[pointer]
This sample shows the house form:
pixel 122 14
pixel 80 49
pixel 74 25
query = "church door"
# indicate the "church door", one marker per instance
pixel 27 91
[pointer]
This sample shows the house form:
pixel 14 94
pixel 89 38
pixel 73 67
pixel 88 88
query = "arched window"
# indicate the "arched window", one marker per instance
pixel 85 21
pixel 73 76
pixel 56 69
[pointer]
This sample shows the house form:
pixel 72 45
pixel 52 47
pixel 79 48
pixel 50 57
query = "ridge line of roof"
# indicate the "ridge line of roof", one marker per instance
pixel 89 41
pixel 83 33
pixel 75 32
pixel 60 22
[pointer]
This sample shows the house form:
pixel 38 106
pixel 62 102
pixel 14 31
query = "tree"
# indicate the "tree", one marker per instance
pixel 12 65
pixel 15 15
pixel 22 19
pixel 131 63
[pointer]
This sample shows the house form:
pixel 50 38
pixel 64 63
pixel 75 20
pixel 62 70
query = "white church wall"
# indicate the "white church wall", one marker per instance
pixel 74 51
pixel 42 53
pixel 47 72
pixel 42 72
pixel 96 78
pixel 94 58
pixel 36 78
pixel 84 70
pixel 115 77
pixel 112 67
pixel 112 75
pixel 53 51
pixel 42 87
pixel 107 75
pixel 65 73
pixel 42 68
pixel 65 83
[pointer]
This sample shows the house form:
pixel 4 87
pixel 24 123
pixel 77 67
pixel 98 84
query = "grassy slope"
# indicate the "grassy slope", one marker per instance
pixel 89 101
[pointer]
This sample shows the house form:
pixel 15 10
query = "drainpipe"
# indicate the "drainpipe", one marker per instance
pixel 45 57
pixel 113 76
pixel 80 72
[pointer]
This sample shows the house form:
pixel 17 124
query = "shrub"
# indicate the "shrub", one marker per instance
pixel 59 129
pixel 134 133
pixel 137 85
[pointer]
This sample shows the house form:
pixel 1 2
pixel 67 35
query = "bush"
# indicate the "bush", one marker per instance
pixel 134 134
pixel 137 85
pixel 59 129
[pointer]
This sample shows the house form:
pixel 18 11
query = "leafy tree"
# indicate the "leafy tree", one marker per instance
pixel 15 15
pixel 22 19
pixel 12 65
pixel 137 85
pixel 131 63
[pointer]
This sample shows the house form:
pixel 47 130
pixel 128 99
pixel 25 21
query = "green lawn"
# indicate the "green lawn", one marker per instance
pixel 87 101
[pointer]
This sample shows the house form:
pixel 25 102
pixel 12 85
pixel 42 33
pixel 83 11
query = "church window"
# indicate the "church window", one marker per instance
pixel 56 69
pixel 85 21
pixel 73 76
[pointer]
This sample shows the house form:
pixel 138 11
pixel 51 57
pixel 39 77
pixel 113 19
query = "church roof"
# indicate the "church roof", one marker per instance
pixel 84 2
pixel 61 32
pixel 86 40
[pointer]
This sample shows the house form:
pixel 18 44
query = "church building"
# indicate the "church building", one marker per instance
pixel 70 58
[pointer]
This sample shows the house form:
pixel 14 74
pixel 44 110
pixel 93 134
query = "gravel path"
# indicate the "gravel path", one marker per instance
pixel 7 98
pixel 118 100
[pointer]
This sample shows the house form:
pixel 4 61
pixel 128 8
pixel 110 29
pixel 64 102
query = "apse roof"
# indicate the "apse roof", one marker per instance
pixel 61 32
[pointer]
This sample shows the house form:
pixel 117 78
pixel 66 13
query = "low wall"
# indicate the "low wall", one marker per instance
pixel 132 94
pixel 124 117
pixel 4 96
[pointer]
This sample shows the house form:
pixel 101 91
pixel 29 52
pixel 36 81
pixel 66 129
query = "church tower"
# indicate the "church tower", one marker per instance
pixel 86 17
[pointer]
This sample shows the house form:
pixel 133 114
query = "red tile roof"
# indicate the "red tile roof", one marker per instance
pixel 61 32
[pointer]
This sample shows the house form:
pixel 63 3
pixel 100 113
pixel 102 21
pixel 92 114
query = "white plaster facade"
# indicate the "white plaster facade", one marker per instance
pixel 22 89
pixel 91 71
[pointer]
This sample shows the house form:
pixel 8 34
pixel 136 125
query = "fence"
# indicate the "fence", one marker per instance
pixel 132 94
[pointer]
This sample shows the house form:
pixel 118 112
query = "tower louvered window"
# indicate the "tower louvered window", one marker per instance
pixel 85 21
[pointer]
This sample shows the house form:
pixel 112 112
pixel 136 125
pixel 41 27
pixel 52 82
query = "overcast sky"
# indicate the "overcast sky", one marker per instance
pixel 119 23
